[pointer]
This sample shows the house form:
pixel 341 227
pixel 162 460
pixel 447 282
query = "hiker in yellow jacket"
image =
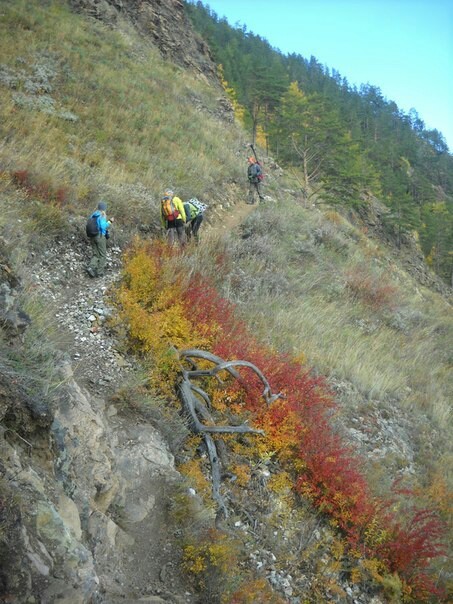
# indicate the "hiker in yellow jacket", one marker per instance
pixel 173 217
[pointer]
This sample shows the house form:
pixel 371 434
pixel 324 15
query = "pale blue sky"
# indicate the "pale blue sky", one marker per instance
pixel 404 47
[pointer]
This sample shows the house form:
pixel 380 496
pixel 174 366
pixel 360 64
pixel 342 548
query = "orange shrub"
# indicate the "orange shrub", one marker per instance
pixel 254 591
pixel 41 189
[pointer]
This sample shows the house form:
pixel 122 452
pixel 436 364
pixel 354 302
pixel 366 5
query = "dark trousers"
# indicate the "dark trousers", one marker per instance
pixel 254 187
pixel 193 227
pixel 99 257
pixel 175 229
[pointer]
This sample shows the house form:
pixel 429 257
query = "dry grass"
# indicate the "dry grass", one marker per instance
pixel 292 284
pixel 134 121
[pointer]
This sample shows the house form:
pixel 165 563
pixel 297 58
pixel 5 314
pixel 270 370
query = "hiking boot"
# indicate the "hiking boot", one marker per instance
pixel 91 272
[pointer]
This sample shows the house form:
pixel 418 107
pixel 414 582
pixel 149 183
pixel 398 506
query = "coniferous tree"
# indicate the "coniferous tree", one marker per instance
pixel 308 132
pixel 437 238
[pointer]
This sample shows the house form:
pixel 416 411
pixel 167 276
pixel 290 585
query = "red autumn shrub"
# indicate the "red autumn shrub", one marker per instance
pixel 41 189
pixel 411 546
pixel 373 290
pixel 331 477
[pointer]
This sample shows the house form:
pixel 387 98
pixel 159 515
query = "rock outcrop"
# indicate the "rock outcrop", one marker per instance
pixel 164 23
pixel 82 487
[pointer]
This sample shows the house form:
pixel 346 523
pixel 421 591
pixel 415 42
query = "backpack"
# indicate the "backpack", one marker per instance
pixel 190 212
pixel 92 228
pixel 257 172
pixel 169 212
pixel 198 204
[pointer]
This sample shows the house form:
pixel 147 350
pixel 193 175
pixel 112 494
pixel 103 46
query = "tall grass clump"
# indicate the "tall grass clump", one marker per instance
pixel 36 363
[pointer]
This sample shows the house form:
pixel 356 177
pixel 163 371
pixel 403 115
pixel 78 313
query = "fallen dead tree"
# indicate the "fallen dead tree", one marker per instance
pixel 197 404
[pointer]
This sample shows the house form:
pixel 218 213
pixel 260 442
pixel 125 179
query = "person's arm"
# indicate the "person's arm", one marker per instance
pixel 103 224
pixel 180 207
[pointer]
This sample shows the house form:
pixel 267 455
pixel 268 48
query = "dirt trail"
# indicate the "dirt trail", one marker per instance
pixel 234 218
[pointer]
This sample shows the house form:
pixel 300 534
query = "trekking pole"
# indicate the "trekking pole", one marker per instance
pixel 254 152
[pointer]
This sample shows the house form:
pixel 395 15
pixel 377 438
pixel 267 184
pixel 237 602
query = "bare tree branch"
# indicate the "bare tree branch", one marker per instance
pixel 197 403
pixel 227 366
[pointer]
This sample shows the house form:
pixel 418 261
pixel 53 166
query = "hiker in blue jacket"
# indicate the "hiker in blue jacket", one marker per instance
pixel 98 240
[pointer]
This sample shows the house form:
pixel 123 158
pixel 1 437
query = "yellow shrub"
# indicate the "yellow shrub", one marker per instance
pixel 150 298
pixel 375 567
pixel 338 549
pixel 243 474
pixel 280 483
pixel 140 275
pixel 211 561
pixel 375 534
pixel 254 591
pixel 193 472
pixel 194 562
pixel 356 575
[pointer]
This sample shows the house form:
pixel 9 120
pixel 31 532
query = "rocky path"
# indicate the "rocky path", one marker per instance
pixel 81 308
pixel 119 456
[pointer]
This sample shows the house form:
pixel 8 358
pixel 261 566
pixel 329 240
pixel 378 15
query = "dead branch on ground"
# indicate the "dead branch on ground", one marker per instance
pixel 197 403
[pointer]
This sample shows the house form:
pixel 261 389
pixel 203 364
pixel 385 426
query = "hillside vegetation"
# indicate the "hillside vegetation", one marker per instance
pixel 349 141
pixel 346 495
pixel 91 112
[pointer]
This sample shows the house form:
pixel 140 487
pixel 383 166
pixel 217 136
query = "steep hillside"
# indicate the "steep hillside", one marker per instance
pixel 165 24
pixel 105 492
pixel 348 141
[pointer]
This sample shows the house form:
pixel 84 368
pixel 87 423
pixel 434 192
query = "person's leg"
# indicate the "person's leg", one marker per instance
pixel 258 190
pixel 181 231
pixel 102 250
pixel 251 197
pixel 93 265
pixel 171 235
pixel 196 223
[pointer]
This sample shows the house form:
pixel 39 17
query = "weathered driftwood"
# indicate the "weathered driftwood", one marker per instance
pixel 221 365
pixel 197 403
